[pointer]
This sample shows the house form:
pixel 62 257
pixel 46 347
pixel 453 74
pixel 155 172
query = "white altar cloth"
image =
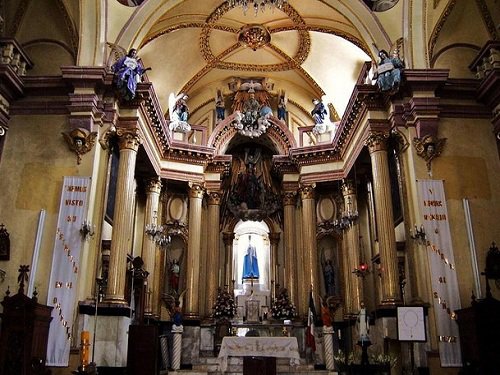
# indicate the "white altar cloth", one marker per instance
pixel 279 347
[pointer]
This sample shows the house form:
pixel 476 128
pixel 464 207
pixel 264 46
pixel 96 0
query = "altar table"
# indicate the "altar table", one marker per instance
pixel 278 347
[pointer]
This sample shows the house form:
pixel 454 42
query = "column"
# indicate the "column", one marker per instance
pixel 377 146
pixel 352 247
pixel 153 188
pixel 121 239
pixel 274 239
pixel 214 274
pixel 289 279
pixel 229 271
pixel 193 252
pixel 310 264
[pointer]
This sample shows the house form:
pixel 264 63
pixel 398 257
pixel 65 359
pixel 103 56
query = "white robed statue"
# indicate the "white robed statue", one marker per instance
pixel 179 113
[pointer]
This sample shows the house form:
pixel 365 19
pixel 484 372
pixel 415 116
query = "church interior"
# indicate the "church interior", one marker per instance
pixel 249 186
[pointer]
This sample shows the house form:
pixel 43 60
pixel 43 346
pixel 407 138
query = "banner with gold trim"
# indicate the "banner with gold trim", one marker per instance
pixel 446 299
pixel 62 291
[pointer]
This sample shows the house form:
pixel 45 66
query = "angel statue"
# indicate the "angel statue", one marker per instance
pixel 321 116
pixel 429 147
pixel 179 113
pixel 128 72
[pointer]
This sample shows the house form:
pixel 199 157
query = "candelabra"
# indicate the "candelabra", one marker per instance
pixel 419 234
pixel 87 230
pixel 347 218
pixel 159 235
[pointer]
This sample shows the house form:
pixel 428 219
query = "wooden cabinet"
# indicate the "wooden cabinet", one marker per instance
pixel 479 327
pixel 24 335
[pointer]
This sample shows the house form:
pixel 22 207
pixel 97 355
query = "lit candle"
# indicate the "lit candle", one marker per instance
pixel 85 344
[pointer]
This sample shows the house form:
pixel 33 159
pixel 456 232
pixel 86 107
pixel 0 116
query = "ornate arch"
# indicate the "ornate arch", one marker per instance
pixel 281 138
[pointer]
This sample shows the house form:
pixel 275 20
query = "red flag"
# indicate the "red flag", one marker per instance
pixel 311 316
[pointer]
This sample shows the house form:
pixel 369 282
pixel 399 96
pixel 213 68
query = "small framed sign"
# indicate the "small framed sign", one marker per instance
pixel 411 323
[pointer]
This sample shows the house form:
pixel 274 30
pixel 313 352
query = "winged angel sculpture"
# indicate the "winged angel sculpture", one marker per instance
pixel 128 71
pixel 321 116
pixel 179 113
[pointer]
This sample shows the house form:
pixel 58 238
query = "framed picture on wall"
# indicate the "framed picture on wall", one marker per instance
pixel 411 323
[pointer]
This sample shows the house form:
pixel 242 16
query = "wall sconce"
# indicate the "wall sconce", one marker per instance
pixel 362 270
pixel 80 141
pixel 87 230
pixel 419 234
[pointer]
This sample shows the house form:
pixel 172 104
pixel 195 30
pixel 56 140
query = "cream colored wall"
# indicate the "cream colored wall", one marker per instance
pixel 36 158
pixel 470 168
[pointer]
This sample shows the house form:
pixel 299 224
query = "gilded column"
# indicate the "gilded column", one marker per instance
pixel 377 146
pixel 229 271
pixel 214 274
pixel 121 240
pixel 310 264
pixel 274 238
pixel 193 252
pixel 289 278
pixel 153 188
pixel 352 247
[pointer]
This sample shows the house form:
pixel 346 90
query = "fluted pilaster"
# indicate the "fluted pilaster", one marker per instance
pixel 214 276
pixel 153 188
pixel 310 264
pixel 121 240
pixel 289 248
pixel 193 252
pixel 228 267
pixel 274 238
pixel 352 247
pixel 377 146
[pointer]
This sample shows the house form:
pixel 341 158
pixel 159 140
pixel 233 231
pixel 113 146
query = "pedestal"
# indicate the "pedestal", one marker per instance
pixel 177 343
pixel 364 351
pixel 328 342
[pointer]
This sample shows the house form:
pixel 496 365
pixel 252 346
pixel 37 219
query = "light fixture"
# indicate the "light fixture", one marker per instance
pixel 87 230
pixel 256 5
pixel 158 234
pixel 419 234
pixel 347 217
pixel 362 270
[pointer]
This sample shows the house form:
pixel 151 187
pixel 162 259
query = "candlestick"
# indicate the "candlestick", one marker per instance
pixel 85 344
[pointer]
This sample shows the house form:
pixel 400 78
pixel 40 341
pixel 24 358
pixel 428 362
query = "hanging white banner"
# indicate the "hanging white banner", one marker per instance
pixel 432 202
pixel 65 268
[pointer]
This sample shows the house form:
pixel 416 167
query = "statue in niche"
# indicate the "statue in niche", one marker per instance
pixel 329 277
pixel 250 262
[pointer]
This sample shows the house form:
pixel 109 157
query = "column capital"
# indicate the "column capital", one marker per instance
pixel 153 185
pixel 377 141
pixel 214 198
pixel 196 190
pixel 227 238
pixel 307 191
pixel 129 138
pixel 289 198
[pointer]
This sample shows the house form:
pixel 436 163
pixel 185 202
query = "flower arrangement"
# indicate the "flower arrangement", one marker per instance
pixel 224 305
pixel 282 307
pixel 344 360
pixel 384 359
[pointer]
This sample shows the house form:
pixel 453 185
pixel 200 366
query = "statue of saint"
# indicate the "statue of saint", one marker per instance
pixel 329 276
pixel 250 264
